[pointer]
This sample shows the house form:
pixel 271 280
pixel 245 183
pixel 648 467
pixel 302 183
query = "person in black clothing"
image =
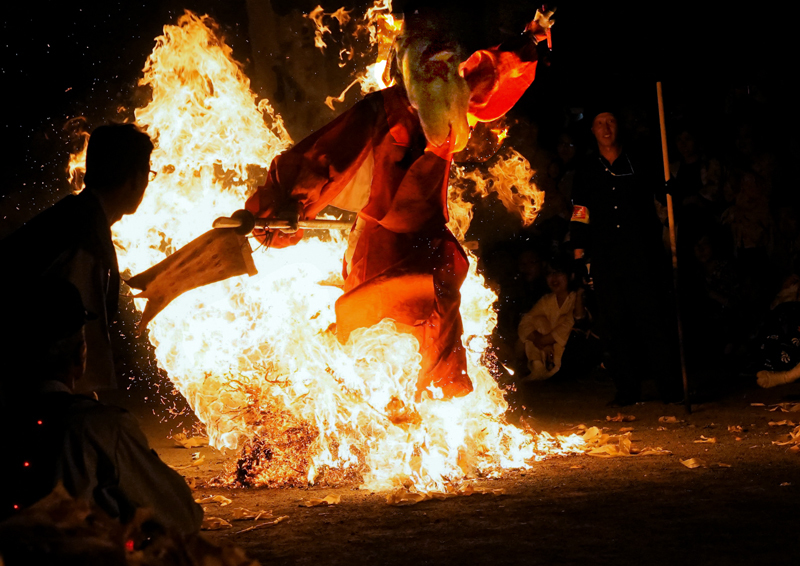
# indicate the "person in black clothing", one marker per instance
pixel 72 240
pixel 96 451
pixel 616 235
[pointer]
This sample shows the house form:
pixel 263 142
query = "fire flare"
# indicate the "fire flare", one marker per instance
pixel 511 178
pixel 256 358
pixel 380 28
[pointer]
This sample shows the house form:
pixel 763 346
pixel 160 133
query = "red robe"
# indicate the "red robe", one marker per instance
pixel 406 265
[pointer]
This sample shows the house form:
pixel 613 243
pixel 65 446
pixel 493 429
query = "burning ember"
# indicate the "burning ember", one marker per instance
pixel 380 28
pixel 257 357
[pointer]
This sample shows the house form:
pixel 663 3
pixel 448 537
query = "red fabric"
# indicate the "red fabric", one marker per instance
pixel 405 235
pixel 497 79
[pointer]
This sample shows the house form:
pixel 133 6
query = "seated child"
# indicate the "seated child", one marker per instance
pixel 544 330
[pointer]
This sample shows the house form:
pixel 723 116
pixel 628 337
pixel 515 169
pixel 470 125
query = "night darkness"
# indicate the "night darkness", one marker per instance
pixel 63 60
pixel 73 64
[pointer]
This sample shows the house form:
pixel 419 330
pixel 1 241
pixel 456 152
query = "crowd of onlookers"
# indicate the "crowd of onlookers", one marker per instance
pixel 738 244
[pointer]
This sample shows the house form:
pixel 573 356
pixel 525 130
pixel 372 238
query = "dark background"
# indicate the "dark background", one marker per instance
pixel 68 65
pixel 63 60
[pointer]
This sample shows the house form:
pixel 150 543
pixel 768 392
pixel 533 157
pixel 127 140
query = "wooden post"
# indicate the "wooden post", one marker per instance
pixel 673 246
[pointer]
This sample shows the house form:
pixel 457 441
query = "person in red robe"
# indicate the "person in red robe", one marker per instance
pixel 388 158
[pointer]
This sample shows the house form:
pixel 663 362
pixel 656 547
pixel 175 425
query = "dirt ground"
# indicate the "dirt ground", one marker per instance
pixel 742 508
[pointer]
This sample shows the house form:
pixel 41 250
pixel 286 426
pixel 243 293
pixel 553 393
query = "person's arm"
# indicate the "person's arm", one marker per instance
pixel 499 76
pixel 579 234
pixel 532 323
pixel 542 340
pixel 579 224
pixel 579 228
pixel 563 327
pixel 302 180
pixel 662 187
pixel 87 274
pixel 579 312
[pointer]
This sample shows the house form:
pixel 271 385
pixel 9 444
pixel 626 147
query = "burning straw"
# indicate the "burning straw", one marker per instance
pixel 256 357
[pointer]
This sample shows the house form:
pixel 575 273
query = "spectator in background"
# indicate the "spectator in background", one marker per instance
pixel 546 328
pixel 785 249
pixel 518 273
pixel 686 172
pixel 615 227
pixel 711 303
pixel 694 181
pixel 520 289
pixel 525 137
pixel 696 187
pixel 72 240
pixel 567 160
pixel 552 221
pixel 98 452
pixel 752 227
pixel 780 343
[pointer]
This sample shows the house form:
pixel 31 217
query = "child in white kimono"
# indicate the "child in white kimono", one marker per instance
pixel 544 330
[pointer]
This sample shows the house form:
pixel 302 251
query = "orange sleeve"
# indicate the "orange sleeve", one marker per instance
pixel 497 79
pixel 314 171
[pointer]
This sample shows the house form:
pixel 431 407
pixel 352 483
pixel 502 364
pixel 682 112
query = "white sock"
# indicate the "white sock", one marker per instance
pixel 767 379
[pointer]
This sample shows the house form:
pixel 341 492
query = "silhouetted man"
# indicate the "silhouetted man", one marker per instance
pixel 72 240
pixel 98 452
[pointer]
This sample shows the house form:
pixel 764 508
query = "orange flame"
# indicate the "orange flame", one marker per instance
pixel 76 129
pixel 381 28
pixel 511 178
pixel 318 15
pixel 77 166
pixel 255 357
pixel 501 133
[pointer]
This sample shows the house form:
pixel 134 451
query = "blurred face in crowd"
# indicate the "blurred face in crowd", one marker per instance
pixel 557 281
pixel 686 145
pixel 604 128
pixel 744 141
pixel 566 148
pixel 530 265
pixel 703 250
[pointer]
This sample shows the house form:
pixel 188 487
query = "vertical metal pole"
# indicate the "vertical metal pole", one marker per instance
pixel 673 246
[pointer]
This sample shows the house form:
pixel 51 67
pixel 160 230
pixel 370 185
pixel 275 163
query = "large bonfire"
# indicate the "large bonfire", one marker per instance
pixel 256 357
